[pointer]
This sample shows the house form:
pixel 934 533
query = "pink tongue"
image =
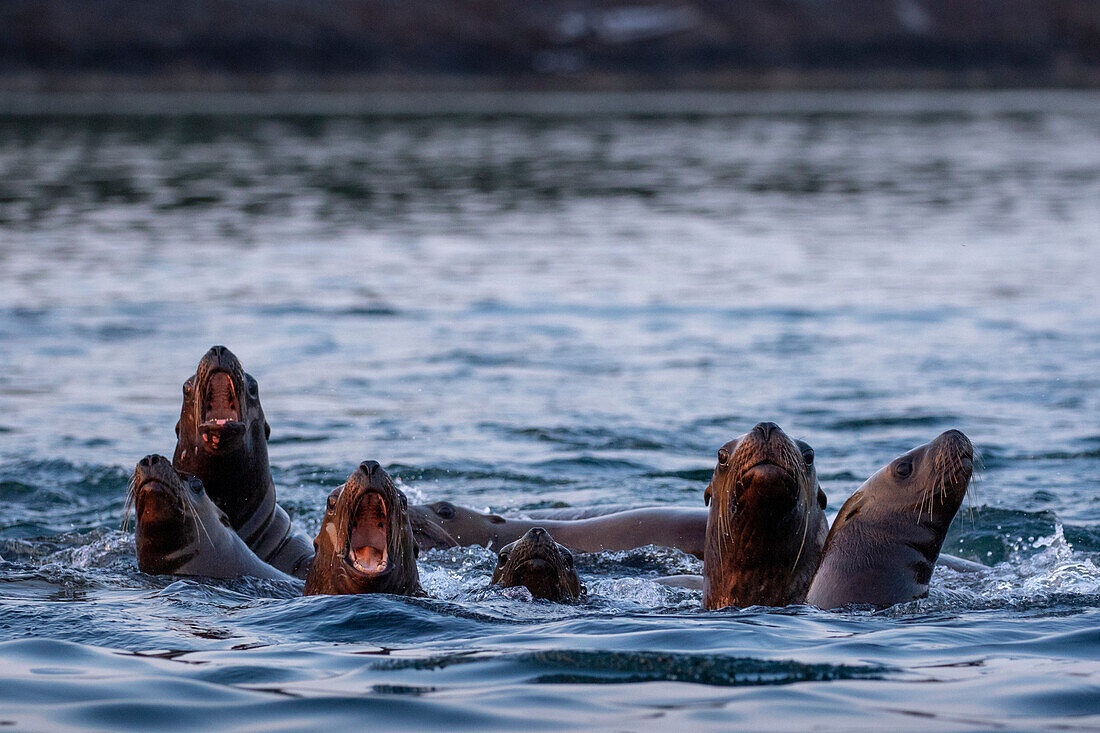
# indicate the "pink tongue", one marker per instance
pixel 368 536
pixel 220 404
pixel 368 558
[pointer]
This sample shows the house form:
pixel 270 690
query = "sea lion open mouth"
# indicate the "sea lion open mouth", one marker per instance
pixel 365 543
pixel 367 548
pixel 220 420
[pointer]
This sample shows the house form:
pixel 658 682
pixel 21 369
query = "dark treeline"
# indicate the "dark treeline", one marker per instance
pixel 672 42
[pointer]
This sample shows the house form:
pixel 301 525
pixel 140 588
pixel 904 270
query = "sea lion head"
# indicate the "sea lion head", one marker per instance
pixel 885 540
pixel 222 437
pixel 221 410
pixel 767 521
pixel 443 524
pixel 365 544
pixel 172 513
pixel 927 484
pixel 536 561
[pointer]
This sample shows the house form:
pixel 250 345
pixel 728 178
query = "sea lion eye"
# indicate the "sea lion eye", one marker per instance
pixel 332 501
pixel 404 502
pixel 253 388
pixel 187 388
pixel 808 456
pixel 444 510
pixel 723 456
pixel 196 484
pixel 568 557
pixel 903 469
pixel 503 559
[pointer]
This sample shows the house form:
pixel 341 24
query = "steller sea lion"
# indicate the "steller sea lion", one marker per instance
pixel 179 530
pixel 222 438
pixel 365 544
pixel 887 536
pixel 443 524
pixel 766 525
pixel 540 564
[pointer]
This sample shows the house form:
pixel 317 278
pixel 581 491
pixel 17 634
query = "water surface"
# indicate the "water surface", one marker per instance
pixel 542 307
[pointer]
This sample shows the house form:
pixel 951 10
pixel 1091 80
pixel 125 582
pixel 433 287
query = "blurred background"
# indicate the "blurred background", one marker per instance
pixel 352 45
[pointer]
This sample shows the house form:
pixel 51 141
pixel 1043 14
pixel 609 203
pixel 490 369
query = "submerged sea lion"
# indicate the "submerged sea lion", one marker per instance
pixel 767 522
pixel 365 544
pixel 222 438
pixel 887 536
pixel 536 561
pixel 443 524
pixel 179 531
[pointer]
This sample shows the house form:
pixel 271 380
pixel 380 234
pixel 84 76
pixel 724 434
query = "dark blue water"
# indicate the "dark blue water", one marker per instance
pixel 571 306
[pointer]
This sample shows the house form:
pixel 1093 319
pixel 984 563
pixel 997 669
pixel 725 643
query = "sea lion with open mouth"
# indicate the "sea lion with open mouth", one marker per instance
pixel 179 530
pixel 766 525
pixel 540 564
pixel 365 544
pixel 887 536
pixel 222 438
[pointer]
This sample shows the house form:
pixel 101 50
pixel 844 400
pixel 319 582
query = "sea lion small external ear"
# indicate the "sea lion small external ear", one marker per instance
pixel 822 500
pixel 706 496
pixel 267 430
pixel 177 428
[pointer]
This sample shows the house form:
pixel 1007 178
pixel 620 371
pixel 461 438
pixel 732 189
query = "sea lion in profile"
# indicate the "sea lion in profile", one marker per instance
pixel 365 544
pixel 179 530
pixel 766 525
pixel 887 536
pixel 540 564
pixel 222 438
pixel 443 524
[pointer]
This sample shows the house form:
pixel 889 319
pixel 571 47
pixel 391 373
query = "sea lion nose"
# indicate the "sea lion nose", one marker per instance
pixel 766 429
pixel 369 467
pixel 151 460
pixel 959 439
pixel 538 533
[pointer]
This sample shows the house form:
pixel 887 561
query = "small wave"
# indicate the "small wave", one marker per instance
pixel 566 666
pixel 894 421
pixel 1054 575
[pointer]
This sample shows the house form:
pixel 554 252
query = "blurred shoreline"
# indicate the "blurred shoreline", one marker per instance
pixel 356 46
pixel 58 84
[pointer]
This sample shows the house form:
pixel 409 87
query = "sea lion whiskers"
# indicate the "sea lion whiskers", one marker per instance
pixel 197 520
pixel 977 467
pixel 131 499
pixel 765 506
pixel 801 546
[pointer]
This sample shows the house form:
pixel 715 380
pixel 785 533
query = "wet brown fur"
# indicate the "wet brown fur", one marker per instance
pixel 766 525
pixel 540 564
pixel 331 572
